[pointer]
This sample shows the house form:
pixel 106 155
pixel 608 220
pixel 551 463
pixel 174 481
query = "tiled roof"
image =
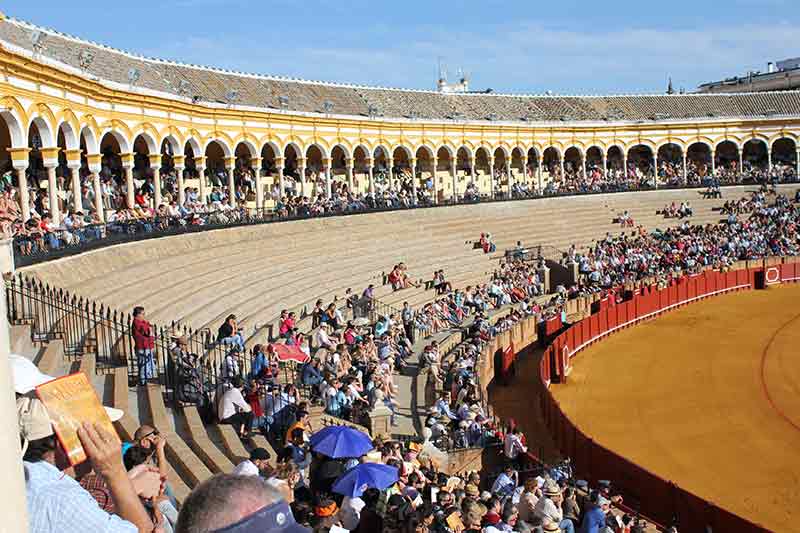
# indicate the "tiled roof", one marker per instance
pixel 212 85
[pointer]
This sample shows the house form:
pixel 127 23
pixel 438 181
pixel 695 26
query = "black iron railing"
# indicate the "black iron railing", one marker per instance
pixel 32 249
pixel 87 327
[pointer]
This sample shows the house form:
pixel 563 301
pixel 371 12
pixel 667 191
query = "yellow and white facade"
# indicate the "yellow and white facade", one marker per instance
pixel 62 113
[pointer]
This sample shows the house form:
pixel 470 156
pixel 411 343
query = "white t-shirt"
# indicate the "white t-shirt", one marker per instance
pixel 246 468
pixel 231 399
pixel 350 513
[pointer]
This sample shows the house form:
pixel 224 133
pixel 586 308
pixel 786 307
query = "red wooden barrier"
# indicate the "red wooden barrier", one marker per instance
pixel 652 495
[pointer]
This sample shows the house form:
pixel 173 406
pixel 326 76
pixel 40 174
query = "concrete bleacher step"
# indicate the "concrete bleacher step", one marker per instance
pixel 199 441
pixel 22 344
pixel 128 424
pixel 229 442
pixel 180 455
pixel 260 442
pixel 53 362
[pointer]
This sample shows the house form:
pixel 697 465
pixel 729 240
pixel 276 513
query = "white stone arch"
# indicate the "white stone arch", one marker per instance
pixel 45 131
pixel 345 149
pixel 125 146
pixel 364 150
pixel 578 147
pixel 677 142
pixel 194 144
pixel 275 147
pixel 89 139
pixel 449 148
pixel 387 154
pixel 783 135
pixel 503 148
pixel 298 150
pixel 619 146
pixel 409 154
pixel 226 149
pixel 14 124
pixel 149 141
pixel 322 150
pixel 756 137
pixel 711 147
pixel 173 142
pixel 71 139
pixel 247 143
pixel 425 148
pixel 467 149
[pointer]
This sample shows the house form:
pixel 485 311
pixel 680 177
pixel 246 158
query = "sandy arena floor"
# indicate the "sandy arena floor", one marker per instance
pixel 707 396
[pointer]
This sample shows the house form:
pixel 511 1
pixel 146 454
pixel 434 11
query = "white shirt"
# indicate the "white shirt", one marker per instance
pixel 512 446
pixel 350 513
pixel 231 399
pixel 546 509
pixel 246 468
pixel 322 338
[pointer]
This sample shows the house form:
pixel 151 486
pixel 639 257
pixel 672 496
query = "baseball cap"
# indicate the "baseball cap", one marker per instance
pixel 275 518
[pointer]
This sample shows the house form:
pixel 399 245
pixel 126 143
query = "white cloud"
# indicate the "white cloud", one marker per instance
pixel 526 57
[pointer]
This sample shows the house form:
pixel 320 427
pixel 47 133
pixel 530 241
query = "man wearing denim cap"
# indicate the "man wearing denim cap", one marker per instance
pixel 227 503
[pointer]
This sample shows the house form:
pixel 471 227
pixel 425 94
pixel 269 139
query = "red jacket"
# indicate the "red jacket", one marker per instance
pixel 143 338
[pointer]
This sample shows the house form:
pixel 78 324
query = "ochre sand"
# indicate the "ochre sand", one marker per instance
pixel 707 396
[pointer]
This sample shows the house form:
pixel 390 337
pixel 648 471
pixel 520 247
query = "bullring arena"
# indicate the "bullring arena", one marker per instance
pixel 315 211
pixel 705 396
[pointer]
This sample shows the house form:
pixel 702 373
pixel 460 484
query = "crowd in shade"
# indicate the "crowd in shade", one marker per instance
pixel 639 174
pixel 80 220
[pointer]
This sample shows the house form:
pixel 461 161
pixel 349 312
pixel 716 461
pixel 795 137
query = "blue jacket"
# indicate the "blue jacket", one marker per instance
pixel 593 521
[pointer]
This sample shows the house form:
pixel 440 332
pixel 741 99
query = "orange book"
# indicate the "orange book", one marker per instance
pixel 70 401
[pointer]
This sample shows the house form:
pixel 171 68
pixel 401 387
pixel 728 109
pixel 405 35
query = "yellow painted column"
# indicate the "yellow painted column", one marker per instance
pixel 50 161
pixel 179 162
pixel 413 163
pixel 454 175
pixel 155 166
pixel 434 178
pixel 255 164
pixel 390 164
pixel 200 166
pixel 326 168
pixel 74 165
pixel 95 164
pixel 301 170
pixel 524 160
pixel 508 175
pixel 127 165
pixel 19 160
pixel 279 162
pixel 230 165
pixel 371 176
pixel 348 169
pixel 490 159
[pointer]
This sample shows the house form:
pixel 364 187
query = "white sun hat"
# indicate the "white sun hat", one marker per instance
pixel 27 377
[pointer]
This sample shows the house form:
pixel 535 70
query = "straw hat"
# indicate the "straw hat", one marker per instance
pixel 472 491
pixel 551 489
pixel 549 525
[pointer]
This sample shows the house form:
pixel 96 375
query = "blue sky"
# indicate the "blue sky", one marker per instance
pixel 569 46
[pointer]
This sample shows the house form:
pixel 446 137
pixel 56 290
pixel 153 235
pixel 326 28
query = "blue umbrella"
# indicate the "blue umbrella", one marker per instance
pixel 355 481
pixel 340 441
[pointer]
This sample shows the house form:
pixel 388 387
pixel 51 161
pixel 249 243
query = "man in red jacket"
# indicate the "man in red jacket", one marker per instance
pixel 144 344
